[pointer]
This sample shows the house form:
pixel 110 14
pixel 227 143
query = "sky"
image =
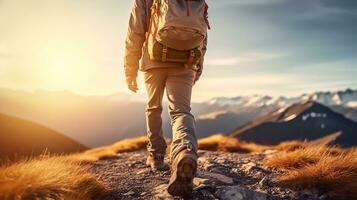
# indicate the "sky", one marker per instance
pixel 275 47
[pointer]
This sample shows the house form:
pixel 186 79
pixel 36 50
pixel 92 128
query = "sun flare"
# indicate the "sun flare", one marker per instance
pixel 65 65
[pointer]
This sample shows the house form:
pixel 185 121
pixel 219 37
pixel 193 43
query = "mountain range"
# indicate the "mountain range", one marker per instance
pixel 100 120
pixel 301 121
pixel 347 98
pixel 242 109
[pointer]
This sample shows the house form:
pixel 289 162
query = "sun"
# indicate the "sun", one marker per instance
pixel 65 65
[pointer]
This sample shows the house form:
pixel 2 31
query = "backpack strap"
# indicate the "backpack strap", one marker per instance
pixel 154 10
pixel 149 31
pixel 187 8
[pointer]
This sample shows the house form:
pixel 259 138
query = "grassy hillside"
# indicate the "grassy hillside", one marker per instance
pixel 19 138
pixel 303 165
pixel 60 177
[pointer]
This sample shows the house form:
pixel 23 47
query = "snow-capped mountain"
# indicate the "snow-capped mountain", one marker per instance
pixel 223 114
pixel 301 121
pixel 347 98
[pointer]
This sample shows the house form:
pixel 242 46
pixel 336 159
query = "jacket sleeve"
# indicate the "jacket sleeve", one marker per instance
pixel 200 67
pixel 135 38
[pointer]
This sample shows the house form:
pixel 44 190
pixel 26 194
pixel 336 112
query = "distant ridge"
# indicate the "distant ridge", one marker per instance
pixel 345 98
pixel 308 120
pixel 119 116
pixel 20 138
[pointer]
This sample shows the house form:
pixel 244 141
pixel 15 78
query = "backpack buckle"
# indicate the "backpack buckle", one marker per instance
pixel 192 56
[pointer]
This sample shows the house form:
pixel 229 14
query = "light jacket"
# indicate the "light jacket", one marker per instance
pixel 136 51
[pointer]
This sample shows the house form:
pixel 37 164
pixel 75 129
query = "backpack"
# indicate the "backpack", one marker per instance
pixel 177 29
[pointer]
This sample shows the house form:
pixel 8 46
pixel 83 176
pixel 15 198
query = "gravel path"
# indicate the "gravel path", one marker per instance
pixel 220 176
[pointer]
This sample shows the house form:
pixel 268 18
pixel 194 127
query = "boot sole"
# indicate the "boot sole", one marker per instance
pixel 181 182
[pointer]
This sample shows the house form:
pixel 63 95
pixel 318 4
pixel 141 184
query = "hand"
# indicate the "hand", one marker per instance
pixel 132 84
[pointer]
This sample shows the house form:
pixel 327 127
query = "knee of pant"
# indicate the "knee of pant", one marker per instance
pixel 154 109
pixel 179 109
pixel 180 113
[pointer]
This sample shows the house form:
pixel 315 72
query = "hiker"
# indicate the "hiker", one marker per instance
pixel 170 38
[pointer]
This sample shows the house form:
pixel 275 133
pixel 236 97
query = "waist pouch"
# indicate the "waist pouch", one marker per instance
pixel 162 53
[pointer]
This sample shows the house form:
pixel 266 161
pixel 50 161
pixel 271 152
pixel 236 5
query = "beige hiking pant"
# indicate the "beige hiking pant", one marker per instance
pixel 178 82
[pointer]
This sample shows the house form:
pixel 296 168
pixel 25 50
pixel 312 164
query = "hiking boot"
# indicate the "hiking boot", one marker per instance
pixel 183 171
pixel 156 162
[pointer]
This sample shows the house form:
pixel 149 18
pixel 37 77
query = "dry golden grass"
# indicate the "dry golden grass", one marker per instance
pixel 334 174
pixel 302 156
pixel 290 145
pixel 48 178
pixel 228 144
pixel 127 145
pixel 329 169
pixel 212 143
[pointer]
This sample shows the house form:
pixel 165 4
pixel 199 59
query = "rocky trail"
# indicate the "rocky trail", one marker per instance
pixel 221 175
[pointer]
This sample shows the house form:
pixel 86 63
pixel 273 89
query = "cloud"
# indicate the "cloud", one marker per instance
pixel 246 58
pixel 247 82
pixel 343 5
pixel 244 84
pixel 243 2
pixel 306 31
